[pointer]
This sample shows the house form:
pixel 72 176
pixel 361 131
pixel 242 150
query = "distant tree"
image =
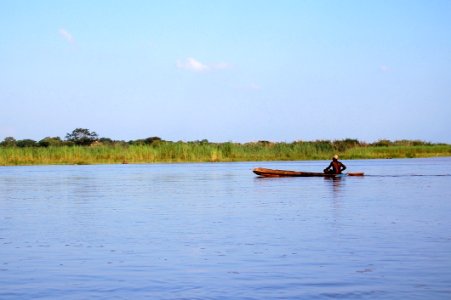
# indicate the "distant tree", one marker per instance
pixel 9 142
pixel 343 145
pixel 82 136
pixel 152 140
pixel 411 143
pixel 136 142
pixel 120 143
pixel 147 141
pixel 323 145
pixel 382 143
pixel 26 143
pixel 50 141
pixel 106 141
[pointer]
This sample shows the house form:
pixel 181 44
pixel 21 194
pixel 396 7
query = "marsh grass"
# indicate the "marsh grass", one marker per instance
pixel 169 152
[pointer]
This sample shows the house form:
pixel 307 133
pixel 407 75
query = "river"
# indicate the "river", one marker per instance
pixel 217 231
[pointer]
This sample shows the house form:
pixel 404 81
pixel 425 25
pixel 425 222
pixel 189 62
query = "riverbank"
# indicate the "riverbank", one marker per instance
pixel 171 152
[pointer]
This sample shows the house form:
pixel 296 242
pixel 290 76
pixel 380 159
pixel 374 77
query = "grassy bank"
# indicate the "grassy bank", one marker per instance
pixel 166 152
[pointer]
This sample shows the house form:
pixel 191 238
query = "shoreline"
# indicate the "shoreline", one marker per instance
pixel 206 153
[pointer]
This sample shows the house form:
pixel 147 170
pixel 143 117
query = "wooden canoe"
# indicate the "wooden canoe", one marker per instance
pixel 284 173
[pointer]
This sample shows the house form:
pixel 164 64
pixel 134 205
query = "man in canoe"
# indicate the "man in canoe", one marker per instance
pixel 335 167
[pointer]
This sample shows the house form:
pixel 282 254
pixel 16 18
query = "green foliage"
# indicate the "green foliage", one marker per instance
pixel 345 144
pixel 198 152
pixel 227 150
pixel 152 140
pixel 411 143
pixel 82 137
pixel 106 141
pixel 382 143
pixel 146 141
pixel 50 142
pixel 52 150
pixel 9 142
pixel 26 143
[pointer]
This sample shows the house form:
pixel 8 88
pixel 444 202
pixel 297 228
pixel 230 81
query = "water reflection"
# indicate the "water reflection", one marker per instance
pixel 336 184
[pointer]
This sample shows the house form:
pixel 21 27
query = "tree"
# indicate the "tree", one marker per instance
pixel 26 143
pixel 106 141
pixel 152 140
pixel 9 142
pixel 82 136
pixel 50 141
pixel 343 145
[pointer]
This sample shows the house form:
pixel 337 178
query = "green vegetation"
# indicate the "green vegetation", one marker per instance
pixel 84 147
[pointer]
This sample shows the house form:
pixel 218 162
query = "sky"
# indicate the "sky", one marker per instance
pixel 231 70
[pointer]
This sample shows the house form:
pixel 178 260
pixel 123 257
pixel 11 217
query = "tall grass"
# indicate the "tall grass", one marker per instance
pixel 398 152
pixel 212 152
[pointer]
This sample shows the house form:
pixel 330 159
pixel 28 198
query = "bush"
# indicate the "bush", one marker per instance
pixel 382 143
pixel 152 140
pixel 106 141
pixel 345 144
pixel 50 141
pixel 26 143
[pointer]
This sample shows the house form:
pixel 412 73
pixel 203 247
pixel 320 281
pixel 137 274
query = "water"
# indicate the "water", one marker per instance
pixel 216 231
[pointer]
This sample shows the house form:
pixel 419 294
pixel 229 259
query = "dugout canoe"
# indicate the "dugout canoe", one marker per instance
pixel 263 172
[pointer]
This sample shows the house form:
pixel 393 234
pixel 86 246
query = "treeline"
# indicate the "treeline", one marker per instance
pixel 78 137
pixel 85 137
pixel 84 147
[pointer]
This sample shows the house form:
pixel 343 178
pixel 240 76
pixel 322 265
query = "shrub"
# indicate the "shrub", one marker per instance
pixel 26 143
pixel 50 141
pixel 382 143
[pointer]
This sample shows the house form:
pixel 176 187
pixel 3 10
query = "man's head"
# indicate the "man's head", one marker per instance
pixel 335 157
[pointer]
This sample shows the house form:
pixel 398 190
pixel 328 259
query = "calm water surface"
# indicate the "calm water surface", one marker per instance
pixel 216 231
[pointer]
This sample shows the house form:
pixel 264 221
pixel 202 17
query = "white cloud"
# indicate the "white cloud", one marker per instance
pixel 194 65
pixel 66 35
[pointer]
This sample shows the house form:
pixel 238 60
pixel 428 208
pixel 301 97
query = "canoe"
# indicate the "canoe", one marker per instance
pixel 263 172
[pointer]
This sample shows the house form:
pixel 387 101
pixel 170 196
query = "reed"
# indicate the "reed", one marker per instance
pixel 168 152
pixel 399 152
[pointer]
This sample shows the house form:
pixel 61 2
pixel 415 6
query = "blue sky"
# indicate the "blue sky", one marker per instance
pixel 227 70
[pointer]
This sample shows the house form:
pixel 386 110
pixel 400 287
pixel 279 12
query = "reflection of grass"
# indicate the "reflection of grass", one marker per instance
pixel 212 152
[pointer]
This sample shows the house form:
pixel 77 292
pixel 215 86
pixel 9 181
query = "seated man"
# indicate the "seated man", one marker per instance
pixel 335 167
